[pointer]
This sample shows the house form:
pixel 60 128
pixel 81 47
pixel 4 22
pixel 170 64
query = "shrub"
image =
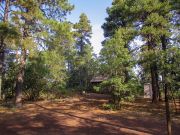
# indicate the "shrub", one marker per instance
pixel 135 87
pixel 109 106
pixel 118 89
pixel 96 89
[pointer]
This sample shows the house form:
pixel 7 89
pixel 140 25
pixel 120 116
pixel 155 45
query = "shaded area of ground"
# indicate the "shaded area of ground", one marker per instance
pixel 84 116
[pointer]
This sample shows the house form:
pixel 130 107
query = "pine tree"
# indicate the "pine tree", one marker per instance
pixel 120 17
pixel 25 17
pixel 115 55
pixel 149 13
pixel 83 33
pixel 59 47
pixel 4 19
pixel 36 21
pixel 155 19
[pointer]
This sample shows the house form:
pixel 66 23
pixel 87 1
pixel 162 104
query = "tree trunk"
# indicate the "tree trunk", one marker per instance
pixel 20 75
pixel 5 19
pixel 168 114
pixel 154 84
pixel 1 64
pixel 127 77
pixel 157 83
pixel 20 80
pixel 3 47
pixel 154 75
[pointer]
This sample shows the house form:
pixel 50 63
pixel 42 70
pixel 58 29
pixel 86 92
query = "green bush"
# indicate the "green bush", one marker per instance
pixel 118 89
pixel 135 87
pixel 96 89
pixel 109 106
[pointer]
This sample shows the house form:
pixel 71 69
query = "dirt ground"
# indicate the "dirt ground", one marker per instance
pixel 83 115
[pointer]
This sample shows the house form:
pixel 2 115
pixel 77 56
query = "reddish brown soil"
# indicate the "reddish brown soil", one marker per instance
pixel 84 116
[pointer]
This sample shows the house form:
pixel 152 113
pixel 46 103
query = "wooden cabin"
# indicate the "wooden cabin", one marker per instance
pixel 98 79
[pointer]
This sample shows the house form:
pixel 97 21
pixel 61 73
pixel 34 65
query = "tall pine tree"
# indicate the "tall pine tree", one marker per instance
pixel 83 31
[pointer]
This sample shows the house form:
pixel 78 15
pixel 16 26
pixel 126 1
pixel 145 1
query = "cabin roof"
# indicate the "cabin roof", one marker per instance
pixel 98 79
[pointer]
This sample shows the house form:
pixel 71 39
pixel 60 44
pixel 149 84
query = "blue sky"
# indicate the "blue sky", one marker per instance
pixel 96 12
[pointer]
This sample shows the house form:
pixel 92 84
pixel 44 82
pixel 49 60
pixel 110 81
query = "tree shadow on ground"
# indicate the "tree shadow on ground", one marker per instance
pixel 133 126
pixel 47 123
pixel 56 118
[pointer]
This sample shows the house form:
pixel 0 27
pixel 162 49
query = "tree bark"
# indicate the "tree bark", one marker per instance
pixel 1 64
pixel 20 75
pixel 20 80
pixel 127 77
pixel 167 107
pixel 154 84
pixel 154 76
pixel 3 47
pixel 157 83
pixel 168 114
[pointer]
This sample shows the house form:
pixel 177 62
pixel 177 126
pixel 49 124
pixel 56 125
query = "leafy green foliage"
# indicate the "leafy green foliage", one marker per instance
pixel 35 81
pixel 118 89
pixel 41 39
pixel 96 89
pixel 9 79
pixel 50 54
pixel 109 106
pixel 135 87
pixel 119 15
pixel 115 57
pixel 81 68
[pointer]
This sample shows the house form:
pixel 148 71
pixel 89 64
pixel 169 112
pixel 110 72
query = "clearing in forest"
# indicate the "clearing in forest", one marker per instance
pixel 84 115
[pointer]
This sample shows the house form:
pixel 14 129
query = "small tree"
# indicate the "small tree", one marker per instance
pixel 118 89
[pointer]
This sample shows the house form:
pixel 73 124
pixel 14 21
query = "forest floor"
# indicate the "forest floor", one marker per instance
pixel 84 115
